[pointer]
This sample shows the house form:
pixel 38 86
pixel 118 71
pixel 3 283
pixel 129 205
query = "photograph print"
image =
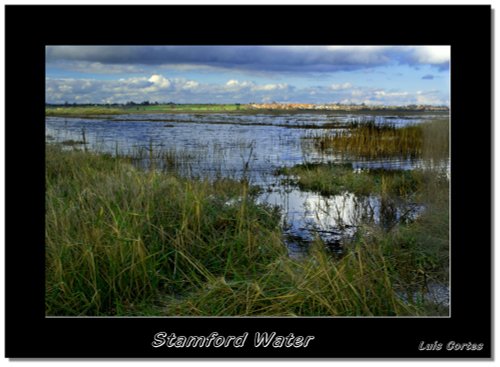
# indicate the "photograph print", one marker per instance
pixel 309 181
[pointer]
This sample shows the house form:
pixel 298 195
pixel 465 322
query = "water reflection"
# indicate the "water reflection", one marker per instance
pixel 333 219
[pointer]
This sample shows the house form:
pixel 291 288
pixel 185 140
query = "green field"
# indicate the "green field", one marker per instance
pixel 162 108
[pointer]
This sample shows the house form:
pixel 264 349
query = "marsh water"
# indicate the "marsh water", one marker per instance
pixel 252 147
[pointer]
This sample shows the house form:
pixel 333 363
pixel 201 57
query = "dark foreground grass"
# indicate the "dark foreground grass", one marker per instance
pixel 121 241
pixel 116 236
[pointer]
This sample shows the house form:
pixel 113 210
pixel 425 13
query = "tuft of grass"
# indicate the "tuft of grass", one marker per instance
pixel 370 140
pixel 333 179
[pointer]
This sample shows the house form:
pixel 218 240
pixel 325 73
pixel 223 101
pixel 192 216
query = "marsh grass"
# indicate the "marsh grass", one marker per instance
pixel 126 241
pixel 153 157
pixel 369 140
pixel 358 284
pixel 333 179
pixel 116 235
pixel 420 249
pixel 381 274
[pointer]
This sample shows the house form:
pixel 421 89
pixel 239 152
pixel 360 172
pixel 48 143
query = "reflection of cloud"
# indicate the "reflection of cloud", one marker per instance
pixel 310 214
pixel 322 212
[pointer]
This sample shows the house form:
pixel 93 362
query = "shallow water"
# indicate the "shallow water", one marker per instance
pixel 226 145
pixel 334 219
pixel 223 142
pixel 281 119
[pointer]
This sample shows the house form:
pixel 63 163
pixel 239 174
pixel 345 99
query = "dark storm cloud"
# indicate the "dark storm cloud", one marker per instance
pixel 257 58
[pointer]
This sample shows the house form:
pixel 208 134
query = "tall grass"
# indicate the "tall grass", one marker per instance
pixel 371 140
pixel 116 235
pixel 124 241
pixel 360 283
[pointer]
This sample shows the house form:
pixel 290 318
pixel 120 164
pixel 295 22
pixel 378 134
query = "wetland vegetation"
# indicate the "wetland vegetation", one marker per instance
pixel 160 230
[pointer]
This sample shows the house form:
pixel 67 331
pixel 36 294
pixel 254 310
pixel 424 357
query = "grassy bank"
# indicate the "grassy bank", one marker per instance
pixel 123 241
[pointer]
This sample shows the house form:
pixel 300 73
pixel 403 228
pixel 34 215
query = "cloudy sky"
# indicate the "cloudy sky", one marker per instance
pixel 390 75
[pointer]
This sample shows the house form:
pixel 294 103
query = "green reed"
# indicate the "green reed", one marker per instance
pixel 371 140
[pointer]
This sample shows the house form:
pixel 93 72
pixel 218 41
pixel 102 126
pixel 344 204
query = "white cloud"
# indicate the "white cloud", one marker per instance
pixel 191 84
pixel 159 81
pixel 432 54
pixel 234 84
pixel 342 86
pixel 383 93
pixel 65 88
pixel 159 88
pixel 270 87
pixel 430 97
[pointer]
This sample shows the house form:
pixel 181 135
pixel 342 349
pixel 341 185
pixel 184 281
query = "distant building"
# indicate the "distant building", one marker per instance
pixel 343 107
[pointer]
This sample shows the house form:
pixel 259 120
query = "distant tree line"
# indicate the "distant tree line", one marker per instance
pixel 128 104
